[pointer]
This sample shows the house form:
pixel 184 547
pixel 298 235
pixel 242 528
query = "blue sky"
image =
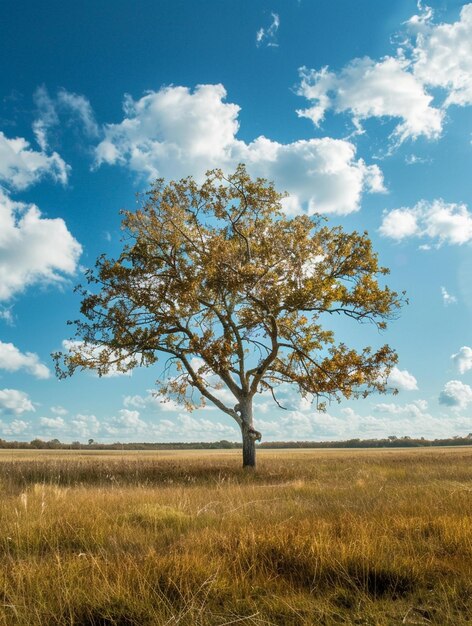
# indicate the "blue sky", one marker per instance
pixel 360 110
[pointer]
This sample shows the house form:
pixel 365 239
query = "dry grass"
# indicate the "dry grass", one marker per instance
pixel 313 537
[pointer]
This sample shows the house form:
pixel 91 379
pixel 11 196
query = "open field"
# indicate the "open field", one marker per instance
pixel 312 537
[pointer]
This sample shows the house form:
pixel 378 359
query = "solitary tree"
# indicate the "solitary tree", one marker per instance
pixel 232 292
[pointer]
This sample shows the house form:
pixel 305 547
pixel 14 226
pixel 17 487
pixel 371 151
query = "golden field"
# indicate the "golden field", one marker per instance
pixel 312 537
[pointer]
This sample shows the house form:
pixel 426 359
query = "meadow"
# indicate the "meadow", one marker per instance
pixel 311 537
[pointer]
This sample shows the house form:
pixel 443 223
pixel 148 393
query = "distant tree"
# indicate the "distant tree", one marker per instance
pixel 38 443
pixel 217 278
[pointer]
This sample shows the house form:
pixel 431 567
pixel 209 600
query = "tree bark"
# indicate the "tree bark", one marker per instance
pixel 250 435
pixel 249 450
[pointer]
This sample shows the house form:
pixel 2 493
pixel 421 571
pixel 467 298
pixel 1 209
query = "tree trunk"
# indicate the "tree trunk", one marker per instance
pixel 249 450
pixel 250 435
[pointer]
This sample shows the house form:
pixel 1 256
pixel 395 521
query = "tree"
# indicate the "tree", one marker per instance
pixel 233 292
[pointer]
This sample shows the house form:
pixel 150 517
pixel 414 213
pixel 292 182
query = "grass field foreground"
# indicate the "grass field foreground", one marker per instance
pixel 311 537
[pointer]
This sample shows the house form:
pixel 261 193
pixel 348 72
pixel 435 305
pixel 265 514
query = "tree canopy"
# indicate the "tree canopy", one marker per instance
pixel 217 279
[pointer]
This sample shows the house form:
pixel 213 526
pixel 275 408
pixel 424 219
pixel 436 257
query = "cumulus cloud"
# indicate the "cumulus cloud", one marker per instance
pixel 398 86
pixel 399 223
pixel 12 360
pixel 301 420
pixel 52 422
pixel 182 427
pixel 15 427
pixel 268 36
pixel 305 422
pixel 187 427
pixel 125 421
pixel 412 419
pixel 411 409
pixel 447 297
pixel 320 175
pixel 172 132
pixel 442 56
pixel 33 249
pixel 387 419
pixel 175 132
pixel 367 88
pixel 129 425
pixel 21 166
pixel 402 379
pixel 81 426
pixel 456 395
pixel 84 425
pixel 15 402
pixel 152 402
pixel 445 223
pixel 463 359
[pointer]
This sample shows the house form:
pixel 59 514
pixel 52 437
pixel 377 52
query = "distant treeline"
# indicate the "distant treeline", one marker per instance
pixel 389 442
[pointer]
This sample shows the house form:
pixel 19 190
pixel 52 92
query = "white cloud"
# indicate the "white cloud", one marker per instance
pixel 80 107
pixel 366 88
pixel 438 220
pixel 152 402
pixel 52 422
pixel 47 117
pixel 421 22
pixel 129 418
pixel 15 402
pixel 6 315
pixel 81 426
pixel 59 410
pixel 413 159
pixel 303 421
pixel 33 249
pixel 412 419
pixel 171 131
pixel 185 427
pixel 402 379
pixel 15 427
pixel 21 166
pixel 12 360
pixel 456 395
pixel 175 132
pixel 84 425
pixel 268 36
pixel 463 359
pixel 443 57
pixel 126 421
pixel 412 409
pixel 397 86
pixel 181 427
pixel 447 297
pixel 320 175
pixel 399 223
pixel 72 106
